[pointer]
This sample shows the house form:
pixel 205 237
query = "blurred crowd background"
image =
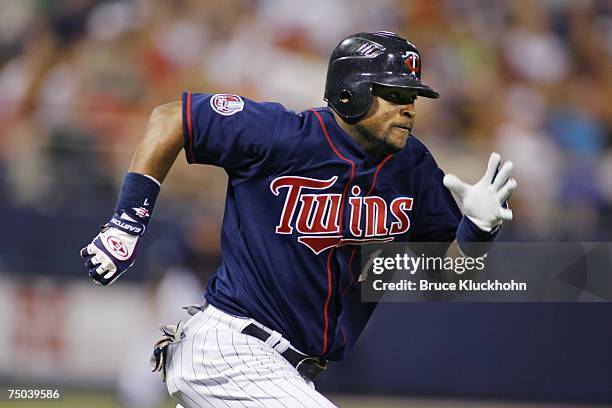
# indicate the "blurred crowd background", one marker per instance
pixel 531 79
pixel 78 79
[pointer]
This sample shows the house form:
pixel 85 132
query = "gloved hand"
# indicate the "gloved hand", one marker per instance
pixel 113 250
pixel 171 334
pixel 483 202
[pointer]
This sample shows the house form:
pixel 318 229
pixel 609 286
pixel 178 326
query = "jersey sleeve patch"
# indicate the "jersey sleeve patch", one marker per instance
pixel 226 104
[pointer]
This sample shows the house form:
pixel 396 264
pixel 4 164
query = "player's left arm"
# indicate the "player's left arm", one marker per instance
pixel 484 206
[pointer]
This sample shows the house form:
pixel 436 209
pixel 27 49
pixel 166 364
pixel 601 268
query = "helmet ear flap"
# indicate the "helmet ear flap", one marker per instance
pixel 351 104
pixel 345 96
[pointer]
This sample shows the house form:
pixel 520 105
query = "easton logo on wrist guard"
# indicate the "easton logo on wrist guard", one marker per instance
pixel 132 228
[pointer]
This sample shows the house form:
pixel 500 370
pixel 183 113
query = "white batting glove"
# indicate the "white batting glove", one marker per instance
pixel 484 202
pixel 113 250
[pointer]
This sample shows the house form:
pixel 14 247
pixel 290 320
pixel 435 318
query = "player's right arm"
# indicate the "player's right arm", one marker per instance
pixel 113 250
pixel 223 130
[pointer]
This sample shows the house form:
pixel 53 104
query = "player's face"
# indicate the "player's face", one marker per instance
pixel 388 124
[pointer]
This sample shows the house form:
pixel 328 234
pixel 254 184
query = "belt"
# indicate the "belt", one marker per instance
pixel 309 367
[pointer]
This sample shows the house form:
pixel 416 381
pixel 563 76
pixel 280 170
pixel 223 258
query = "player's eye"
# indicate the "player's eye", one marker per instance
pixel 396 96
pixel 401 98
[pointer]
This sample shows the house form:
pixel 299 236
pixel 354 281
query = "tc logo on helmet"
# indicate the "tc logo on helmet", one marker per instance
pixel 413 63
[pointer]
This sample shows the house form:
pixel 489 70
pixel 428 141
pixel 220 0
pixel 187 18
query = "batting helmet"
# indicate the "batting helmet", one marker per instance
pixel 363 59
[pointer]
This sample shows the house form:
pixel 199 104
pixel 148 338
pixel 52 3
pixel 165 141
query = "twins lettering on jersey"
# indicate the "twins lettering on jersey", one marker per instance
pixel 318 216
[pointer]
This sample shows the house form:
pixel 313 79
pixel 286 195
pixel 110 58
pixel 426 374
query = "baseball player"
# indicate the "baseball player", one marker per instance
pixel 305 191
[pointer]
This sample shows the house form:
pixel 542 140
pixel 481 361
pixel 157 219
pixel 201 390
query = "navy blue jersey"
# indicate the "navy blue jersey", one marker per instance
pixel 302 196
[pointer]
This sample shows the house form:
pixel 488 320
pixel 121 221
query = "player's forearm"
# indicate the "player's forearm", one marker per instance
pixel 161 144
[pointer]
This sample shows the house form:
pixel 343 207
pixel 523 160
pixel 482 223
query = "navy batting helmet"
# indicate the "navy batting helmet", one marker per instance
pixel 363 59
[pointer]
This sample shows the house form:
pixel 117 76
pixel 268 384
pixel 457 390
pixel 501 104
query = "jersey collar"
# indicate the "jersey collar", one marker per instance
pixel 342 140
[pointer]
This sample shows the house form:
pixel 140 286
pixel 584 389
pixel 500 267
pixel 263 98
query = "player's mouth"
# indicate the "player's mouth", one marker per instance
pixel 407 128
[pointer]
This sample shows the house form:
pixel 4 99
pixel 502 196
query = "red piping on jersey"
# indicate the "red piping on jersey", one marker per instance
pixel 350 262
pixel 190 128
pixel 329 293
pixel 382 163
pixel 344 194
pixel 352 163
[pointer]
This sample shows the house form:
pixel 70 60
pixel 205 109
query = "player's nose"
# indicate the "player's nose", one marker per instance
pixel 408 111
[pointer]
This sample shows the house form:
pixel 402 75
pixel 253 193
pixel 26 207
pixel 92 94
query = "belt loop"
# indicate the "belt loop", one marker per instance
pixel 274 338
pixel 282 345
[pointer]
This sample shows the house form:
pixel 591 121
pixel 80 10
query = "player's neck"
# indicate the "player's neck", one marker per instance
pixel 369 143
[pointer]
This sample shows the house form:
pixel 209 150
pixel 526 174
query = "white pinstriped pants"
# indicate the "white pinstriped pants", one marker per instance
pixel 215 365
